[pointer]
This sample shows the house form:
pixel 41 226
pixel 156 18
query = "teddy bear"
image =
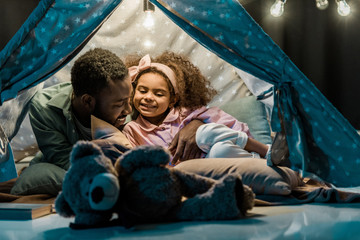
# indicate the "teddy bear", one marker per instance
pixel 142 188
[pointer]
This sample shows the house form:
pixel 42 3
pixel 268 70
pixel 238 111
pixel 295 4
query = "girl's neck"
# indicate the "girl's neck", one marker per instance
pixel 157 120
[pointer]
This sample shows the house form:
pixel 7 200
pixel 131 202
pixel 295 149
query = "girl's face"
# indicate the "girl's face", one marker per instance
pixel 152 97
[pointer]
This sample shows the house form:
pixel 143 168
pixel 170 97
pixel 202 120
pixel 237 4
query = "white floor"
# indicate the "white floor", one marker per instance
pixel 310 221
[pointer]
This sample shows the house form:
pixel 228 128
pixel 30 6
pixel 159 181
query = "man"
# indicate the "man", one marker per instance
pixel 61 115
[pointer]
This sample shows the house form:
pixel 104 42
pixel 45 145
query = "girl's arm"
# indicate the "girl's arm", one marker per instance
pixel 216 115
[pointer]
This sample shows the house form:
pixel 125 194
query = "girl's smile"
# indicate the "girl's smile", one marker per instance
pixel 147 107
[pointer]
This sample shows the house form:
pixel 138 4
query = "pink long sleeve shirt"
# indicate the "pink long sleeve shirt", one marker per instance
pixel 142 132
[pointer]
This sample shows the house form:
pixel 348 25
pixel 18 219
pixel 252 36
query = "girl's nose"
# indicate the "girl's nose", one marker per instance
pixel 149 96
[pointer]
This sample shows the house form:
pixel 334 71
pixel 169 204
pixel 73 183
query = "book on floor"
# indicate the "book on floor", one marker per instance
pixel 23 211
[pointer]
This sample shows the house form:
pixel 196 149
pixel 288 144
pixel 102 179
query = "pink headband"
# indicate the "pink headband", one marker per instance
pixel 146 63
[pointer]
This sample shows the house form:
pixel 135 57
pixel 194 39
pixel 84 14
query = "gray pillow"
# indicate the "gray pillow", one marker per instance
pixel 39 178
pixel 255 173
pixel 252 112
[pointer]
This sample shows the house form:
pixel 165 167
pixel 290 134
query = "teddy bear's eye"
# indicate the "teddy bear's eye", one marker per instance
pixel 87 193
pixel 90 181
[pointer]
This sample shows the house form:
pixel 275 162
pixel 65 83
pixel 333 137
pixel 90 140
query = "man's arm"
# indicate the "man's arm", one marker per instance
pixel 184 147
pixel 52 141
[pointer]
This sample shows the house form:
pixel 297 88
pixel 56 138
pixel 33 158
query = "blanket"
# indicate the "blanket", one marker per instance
pixel 5 196
pixel 311 191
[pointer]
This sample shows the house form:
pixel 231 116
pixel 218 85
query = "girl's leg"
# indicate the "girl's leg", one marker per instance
pixel 227 149
pixel 235 143
pixel 209 134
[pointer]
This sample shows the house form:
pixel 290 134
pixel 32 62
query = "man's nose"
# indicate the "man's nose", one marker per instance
pixel 128 109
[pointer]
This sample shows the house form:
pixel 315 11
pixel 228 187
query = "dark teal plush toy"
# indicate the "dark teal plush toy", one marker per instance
pixel 142 188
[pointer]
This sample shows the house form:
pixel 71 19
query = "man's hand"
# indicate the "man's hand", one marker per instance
pixel 184 147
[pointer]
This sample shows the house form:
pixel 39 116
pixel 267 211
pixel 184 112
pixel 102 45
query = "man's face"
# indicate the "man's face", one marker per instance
pixel 113 102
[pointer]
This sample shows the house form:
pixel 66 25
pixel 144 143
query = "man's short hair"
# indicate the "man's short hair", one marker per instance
pixel 93 70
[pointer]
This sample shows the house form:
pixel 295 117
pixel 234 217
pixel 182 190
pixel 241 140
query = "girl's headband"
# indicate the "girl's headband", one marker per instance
pixel 146 63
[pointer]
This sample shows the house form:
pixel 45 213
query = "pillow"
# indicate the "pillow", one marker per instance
pixel 39 178
pixel 253 113
pixel 255 173
pixel 46 178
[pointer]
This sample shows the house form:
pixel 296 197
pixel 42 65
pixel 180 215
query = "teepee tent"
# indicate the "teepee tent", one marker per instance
pixel 320 141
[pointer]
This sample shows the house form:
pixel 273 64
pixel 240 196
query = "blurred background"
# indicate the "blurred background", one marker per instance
pixel 323 44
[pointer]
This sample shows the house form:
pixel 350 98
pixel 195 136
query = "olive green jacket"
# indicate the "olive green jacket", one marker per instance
pixel 53 125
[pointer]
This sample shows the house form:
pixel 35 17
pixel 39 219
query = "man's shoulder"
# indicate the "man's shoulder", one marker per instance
pixel 55 89
pixel 58 92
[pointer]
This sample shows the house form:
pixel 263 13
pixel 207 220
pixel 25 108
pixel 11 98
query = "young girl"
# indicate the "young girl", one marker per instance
pixel 169 92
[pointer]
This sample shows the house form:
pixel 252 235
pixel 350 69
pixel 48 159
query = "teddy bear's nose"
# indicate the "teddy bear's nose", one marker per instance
pixel 97 195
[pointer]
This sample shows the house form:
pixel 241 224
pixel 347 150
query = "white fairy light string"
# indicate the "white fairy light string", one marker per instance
pixel 277 9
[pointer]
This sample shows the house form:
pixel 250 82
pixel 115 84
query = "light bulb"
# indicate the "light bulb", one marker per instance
pixel 277 9
pixel 149 20
pixel 322 4
pixel 343 8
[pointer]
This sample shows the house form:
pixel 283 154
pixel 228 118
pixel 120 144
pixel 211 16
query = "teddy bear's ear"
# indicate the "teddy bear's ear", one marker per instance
pixel 62 207
pixel 143 156
pixel 84 148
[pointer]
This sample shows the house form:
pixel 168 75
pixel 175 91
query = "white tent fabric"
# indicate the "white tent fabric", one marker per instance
pixel 125 32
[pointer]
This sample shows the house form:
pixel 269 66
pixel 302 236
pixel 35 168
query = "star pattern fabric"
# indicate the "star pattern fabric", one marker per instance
pixel 124 33
pixel 47 40
pixel 330 150
pixel 320 140
pixel 7 164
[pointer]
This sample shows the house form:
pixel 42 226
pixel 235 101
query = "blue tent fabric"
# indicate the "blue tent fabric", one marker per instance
pixel 321 141
pixel 7 163
pixel 50 38
pixel 310 122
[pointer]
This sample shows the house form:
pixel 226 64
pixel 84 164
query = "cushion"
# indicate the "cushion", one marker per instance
pixel 255 173
pixel 252 112
pixel 39 178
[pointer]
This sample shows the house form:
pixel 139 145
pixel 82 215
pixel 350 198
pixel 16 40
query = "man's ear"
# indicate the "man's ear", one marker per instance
pixel 88 102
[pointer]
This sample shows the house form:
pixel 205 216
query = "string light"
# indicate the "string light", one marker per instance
pixel 343 8
pixel 149 21
pixel 277 9
pixel 322 4
pixel 149 9
pixel 148 6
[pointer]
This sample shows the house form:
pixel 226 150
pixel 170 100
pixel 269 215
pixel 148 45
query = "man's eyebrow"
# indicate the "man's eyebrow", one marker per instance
pixel 123 99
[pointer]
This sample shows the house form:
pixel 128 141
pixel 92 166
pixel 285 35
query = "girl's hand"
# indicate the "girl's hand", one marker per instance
pixel 184 147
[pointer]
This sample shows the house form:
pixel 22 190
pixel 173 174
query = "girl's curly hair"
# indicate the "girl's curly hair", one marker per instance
pixel 93 70
pixel 194 90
